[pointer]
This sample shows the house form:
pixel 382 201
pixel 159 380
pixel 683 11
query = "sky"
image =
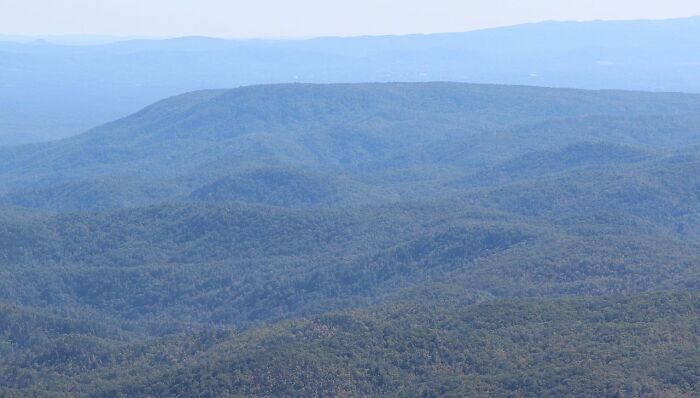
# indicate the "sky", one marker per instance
pixel 309 18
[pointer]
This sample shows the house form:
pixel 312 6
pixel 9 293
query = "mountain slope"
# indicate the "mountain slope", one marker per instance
pixel 288 187
pixel 599 347
pixel 542 164
pixel 164 267
pixel 663 192
pixel 626 346
pixel 377 128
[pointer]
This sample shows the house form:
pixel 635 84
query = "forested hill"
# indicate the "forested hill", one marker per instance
pixel 366 136
pixel 423 239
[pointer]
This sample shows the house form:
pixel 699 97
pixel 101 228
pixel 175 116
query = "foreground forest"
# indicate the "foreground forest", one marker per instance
pixel 643 345
pixel 432 239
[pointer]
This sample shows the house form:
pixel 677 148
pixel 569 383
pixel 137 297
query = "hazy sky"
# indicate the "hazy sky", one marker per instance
pixel 290 18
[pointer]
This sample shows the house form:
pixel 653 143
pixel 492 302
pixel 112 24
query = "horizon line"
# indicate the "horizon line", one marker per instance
pixel 103 39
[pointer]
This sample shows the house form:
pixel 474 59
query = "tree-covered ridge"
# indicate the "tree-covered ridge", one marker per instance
pixel 315 163
pixel 187 142
pixel 288 187
pixel 632 346
pixel 616 346
pixel 163 267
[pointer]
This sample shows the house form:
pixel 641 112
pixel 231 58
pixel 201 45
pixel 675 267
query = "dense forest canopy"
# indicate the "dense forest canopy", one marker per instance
pixel 403 239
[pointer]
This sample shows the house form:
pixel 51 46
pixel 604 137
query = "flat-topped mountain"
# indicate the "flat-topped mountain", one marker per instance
pixel 53 91
pixel 364 134
pixel 349 125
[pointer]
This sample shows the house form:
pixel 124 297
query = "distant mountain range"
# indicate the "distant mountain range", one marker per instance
pixel 49 91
